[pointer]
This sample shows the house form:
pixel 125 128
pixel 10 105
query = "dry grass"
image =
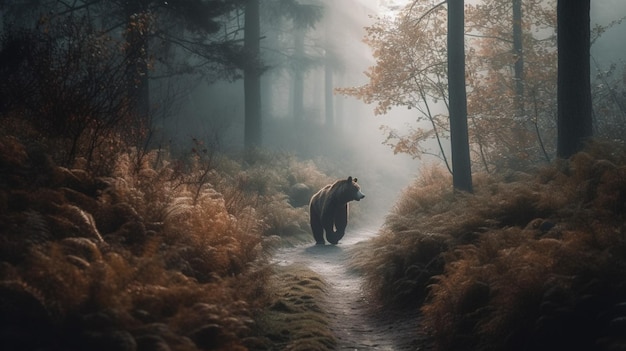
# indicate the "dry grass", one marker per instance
pixel 530 261
pixel 151 256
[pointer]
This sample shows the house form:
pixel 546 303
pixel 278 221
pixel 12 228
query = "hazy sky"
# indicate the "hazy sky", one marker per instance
pixel 610 47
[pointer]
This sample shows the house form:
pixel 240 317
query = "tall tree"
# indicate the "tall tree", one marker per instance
pixel 461 164
pixel 518 53
pixel 329 66
pixel 276 17
pixel 299 68
pixel 303 18
pixel 574 81
pixel 512 70
pixel 252 75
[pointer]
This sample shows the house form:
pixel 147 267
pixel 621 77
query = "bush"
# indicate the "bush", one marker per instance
pixel 145 256
pixel 526 262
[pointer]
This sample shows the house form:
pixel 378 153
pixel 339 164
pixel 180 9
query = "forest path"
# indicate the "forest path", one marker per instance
pixel 354 321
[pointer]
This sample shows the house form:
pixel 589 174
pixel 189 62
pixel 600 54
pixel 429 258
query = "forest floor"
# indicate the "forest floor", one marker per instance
pixel 340 314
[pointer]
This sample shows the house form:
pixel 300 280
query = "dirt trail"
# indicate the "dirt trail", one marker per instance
pixel 353 322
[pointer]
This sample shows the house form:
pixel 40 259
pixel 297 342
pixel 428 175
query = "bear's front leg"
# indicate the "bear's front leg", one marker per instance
pixel 340 223
pixel 334 237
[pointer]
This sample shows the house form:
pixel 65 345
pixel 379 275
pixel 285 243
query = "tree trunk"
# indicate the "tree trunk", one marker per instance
pixel 298 76
pixel 574 82
pixel 329 106
pixel 252 76
pixel 518 51
pixel 461 166
pixel 137 59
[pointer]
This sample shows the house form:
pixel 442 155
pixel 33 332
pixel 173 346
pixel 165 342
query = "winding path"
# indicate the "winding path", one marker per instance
pixel 353 321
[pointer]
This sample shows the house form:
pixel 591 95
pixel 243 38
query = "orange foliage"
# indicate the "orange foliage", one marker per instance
pixel 411 72
pixel 529 261
pixel 145 256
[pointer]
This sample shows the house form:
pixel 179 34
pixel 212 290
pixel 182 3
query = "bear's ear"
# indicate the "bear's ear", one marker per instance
pixel 355 180
pixel 350 179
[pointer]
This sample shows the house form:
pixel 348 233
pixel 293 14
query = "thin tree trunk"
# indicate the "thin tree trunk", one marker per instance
pixel 574 119
pixel 329 96
pixel 461 166
pixel 328 76
pixel 252 76
pixel 520 120
pixel 298 76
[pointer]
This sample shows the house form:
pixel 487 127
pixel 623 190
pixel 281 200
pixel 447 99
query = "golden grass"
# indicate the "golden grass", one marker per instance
pixel 529 261
pixel 149 256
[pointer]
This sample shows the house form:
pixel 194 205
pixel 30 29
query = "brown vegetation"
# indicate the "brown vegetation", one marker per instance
pixel 530 261
pixel 156 254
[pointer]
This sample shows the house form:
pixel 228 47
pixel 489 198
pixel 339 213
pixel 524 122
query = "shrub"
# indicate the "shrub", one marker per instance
pixel 136 258
pixel 526 262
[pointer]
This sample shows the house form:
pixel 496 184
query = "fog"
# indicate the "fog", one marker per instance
pixel 609 48
pixel 214 110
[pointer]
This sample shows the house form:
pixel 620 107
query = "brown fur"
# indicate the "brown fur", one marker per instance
pixel 329 209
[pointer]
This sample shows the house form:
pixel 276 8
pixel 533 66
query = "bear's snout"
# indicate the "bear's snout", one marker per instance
pixel 359 196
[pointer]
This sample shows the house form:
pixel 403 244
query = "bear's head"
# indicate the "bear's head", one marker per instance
pixel 352 190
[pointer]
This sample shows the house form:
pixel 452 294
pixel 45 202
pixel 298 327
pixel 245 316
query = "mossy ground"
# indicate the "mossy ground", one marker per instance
pixel 295 318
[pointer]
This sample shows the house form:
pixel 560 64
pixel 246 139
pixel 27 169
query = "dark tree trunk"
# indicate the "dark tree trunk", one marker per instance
pixel 518 51
pixel 137 58
pixel 461 166
pixel 574 82
pixel 252 75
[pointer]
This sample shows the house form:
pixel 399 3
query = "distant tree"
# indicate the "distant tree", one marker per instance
pixel 283 19
pixel 574 82
pixel 334 61
pixel 461 163
pixel 301 20
pixel 512 80
pixel 330 64
pixel 299 68
pixel 252 75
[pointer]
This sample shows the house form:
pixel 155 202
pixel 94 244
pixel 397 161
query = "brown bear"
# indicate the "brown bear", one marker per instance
pixel 328 209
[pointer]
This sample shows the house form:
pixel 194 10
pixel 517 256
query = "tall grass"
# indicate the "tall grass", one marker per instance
pixel 157 254
pixel 529 261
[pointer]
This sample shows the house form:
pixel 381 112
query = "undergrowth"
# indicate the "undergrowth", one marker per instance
pixel 157 253
pixel 530 261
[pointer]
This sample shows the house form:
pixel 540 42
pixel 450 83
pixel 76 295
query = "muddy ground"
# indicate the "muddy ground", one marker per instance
pixel 321 304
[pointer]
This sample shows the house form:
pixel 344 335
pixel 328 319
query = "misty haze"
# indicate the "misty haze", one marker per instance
pixel 312 175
